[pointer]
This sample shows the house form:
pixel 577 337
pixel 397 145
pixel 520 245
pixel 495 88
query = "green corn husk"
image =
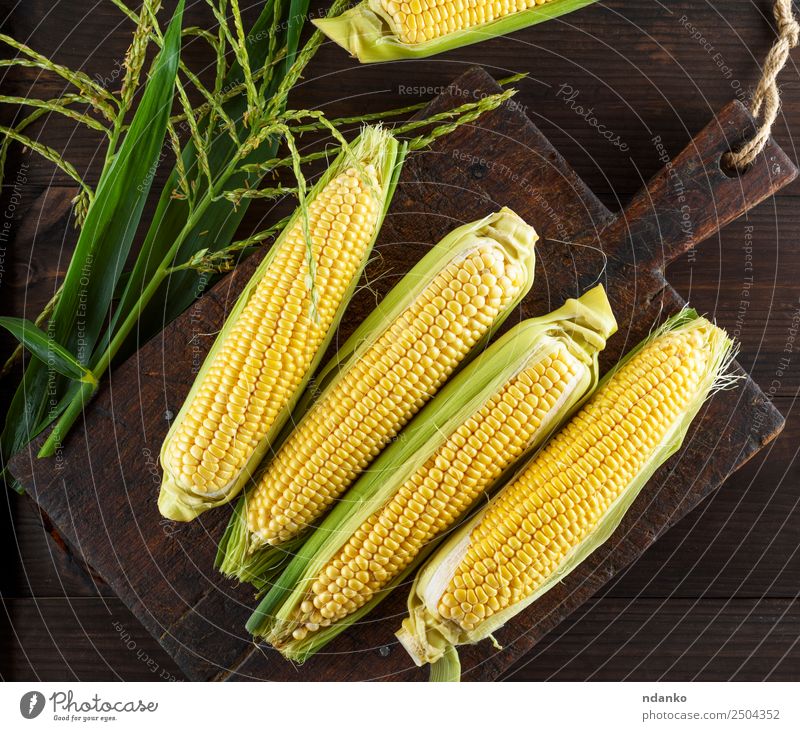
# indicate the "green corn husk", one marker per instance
pixel 368 32
pixel 581 326
pixel 375 145
pixel 240 554
pixel 430 638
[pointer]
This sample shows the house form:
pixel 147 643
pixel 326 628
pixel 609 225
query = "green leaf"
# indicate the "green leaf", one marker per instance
pixel 46 349
pixel 102 247
pixel 296 20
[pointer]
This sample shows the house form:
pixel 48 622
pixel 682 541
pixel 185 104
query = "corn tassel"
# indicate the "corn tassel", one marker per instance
pixel 277 331
pixel 570 497
pixel 498 408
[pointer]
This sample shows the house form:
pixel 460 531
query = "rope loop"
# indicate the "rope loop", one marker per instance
pixel 767 96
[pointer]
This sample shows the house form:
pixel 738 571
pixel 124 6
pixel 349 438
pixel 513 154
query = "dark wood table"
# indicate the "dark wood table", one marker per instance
pixel 714 599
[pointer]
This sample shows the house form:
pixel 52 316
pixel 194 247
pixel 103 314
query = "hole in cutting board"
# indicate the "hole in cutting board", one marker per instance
pixel 728 170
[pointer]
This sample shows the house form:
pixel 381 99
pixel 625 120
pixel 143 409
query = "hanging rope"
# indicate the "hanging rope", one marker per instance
pixel 766 100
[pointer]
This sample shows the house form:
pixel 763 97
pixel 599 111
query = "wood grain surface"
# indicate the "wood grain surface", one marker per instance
pixel 716 597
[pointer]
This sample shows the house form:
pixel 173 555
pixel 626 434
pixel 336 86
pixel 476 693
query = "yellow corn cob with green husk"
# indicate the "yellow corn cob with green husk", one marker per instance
pixel 570 496
pixel 277 331
pixel 495 410
pixel 384 30
pixel 452 301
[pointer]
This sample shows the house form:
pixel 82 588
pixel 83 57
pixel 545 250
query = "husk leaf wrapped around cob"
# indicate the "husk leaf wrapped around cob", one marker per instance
pixel 568 499
pixel 252 377
pixel 495 410
pixel 442 312
pixel 385 30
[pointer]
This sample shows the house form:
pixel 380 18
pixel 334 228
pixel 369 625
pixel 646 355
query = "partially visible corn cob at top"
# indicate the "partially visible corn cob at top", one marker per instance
pixel 486 418
pixel 277 331
pixel 383 30
pixel 569 498
pixel 452 301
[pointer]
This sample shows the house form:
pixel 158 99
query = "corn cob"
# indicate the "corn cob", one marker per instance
pixel 570 496
pixel 460 445
pixel 277 331
pixel 384 30
pixel 450 302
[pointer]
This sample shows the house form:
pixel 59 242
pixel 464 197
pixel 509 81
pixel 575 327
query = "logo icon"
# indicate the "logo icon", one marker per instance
pixel 31 704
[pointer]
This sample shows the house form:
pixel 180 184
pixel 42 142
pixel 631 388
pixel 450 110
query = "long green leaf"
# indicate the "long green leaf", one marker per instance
pixel 102 248
pixel 46 350
pixel 298 9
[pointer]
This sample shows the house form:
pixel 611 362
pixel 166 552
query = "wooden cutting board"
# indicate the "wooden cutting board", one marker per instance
pixel 101 491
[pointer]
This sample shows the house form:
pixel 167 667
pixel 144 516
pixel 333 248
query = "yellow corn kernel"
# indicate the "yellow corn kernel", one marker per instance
pixel 268 350
pixel 435 495
pixel 586 466
pixel 416 21
pixel 380 392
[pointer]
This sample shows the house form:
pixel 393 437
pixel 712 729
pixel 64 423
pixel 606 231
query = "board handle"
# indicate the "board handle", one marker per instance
pixel 693 195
